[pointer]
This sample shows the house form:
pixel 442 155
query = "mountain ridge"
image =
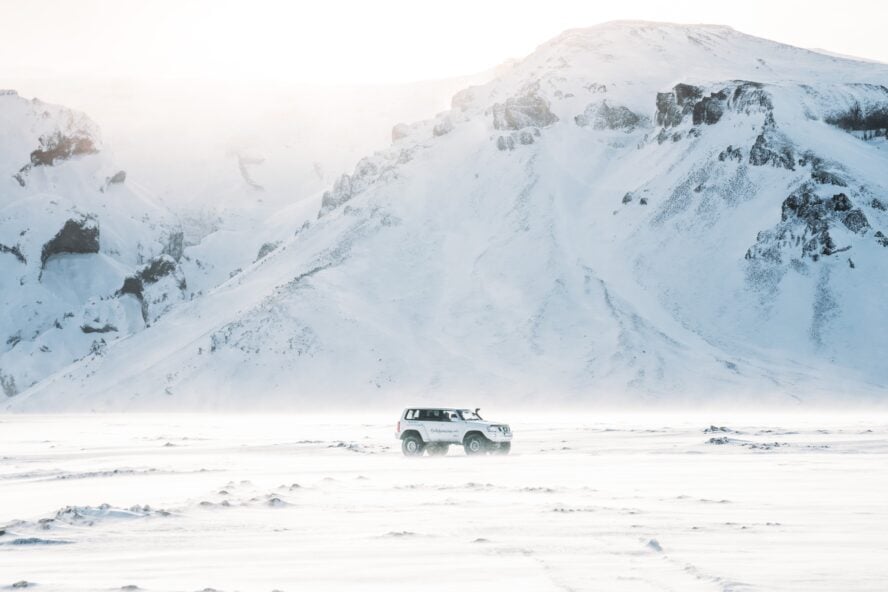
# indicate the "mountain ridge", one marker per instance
pixel 614 231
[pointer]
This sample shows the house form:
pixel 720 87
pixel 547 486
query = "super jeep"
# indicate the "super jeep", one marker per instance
pixel 433 430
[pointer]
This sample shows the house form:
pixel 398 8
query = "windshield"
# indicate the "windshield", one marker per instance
pixel 469 415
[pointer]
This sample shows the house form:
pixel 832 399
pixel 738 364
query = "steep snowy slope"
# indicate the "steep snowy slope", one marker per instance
pixel 634 211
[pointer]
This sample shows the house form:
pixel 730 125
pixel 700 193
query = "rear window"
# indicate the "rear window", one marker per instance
pixel 426 414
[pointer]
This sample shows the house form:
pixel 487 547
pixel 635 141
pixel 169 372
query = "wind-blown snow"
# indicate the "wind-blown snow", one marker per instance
pixel 250 502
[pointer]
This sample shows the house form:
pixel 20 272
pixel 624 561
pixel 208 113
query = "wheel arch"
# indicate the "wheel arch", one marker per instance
pixel 474 433
pixel 413 433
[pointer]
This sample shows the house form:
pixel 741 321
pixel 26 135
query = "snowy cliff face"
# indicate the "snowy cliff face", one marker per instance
pixel 635 211
pixel 73 235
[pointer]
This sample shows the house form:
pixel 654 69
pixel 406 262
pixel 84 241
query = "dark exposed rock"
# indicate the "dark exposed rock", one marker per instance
pixel 819 216
pixel 157 269
pixel 627 198
pixel 859 118
pixel 643 201
pixel 841 203
pixel 77 236
pixel 763 153
pixel 106 328
pixel 118 177
pixel 602 116
pixel 132 285
pixel 15 251
pixel 856 221
pixel 154 271
pixel 7 385
pixel 731 153
pixel 709 110
pixel 749 97
pixel 668 112
pixel 58 146
pixel 341 193
pixel 686 94
pixel 175 245
pixel 525 137
pixel 505 143
pixel 265 249
pixel 22 175
pixel 827 178
pixel 877 205
pixel 523 111
pixel 881 238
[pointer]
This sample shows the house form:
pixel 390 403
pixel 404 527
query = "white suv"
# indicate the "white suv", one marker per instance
pixel 435 429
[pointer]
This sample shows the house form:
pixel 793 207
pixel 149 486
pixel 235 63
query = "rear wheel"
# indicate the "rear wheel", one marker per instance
pixel 412 445
pixel 438 449
pixel 475 444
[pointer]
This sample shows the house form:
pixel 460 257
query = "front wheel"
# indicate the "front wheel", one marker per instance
pixel 503 448
pixel 412 446
pixel 475 444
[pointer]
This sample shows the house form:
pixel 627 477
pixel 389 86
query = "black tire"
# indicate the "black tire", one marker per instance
pixel 503 448
pixel 438 449
pixel 476 444
pixel 412 445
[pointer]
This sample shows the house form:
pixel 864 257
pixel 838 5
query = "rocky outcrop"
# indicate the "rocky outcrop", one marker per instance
pixel 602 116
pixel 175 245
pixel 442 126
pixel 77 236
pixel 668 112
pixel 684 99
pixel 861 118
pixel 523 137
pixel 7 384
pixel 806 222
pixel 58 146
pixel 673 106
pixel 117 178
pixel 15 251
pixel 710 109
pixel 770 149
pixel 527 110
pixel 338 195
pixel 731 153
pixel 153 272
pixel 265 249
pixel 105 328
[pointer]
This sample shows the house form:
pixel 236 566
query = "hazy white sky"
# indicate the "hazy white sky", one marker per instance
pixel 369 41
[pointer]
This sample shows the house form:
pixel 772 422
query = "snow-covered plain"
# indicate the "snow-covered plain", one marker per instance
pixel 614 502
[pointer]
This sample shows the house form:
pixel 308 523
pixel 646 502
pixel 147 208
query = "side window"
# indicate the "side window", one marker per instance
pixel 411 414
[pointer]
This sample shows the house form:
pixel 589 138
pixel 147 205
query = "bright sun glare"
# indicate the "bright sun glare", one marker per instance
pixel 347 41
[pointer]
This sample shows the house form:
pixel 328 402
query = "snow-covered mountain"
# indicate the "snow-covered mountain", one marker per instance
pixel 634 211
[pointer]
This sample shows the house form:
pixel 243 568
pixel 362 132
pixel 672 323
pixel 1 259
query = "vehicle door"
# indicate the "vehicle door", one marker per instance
pixel 448 427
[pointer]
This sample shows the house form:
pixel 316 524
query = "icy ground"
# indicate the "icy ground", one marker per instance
pixel 191 502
